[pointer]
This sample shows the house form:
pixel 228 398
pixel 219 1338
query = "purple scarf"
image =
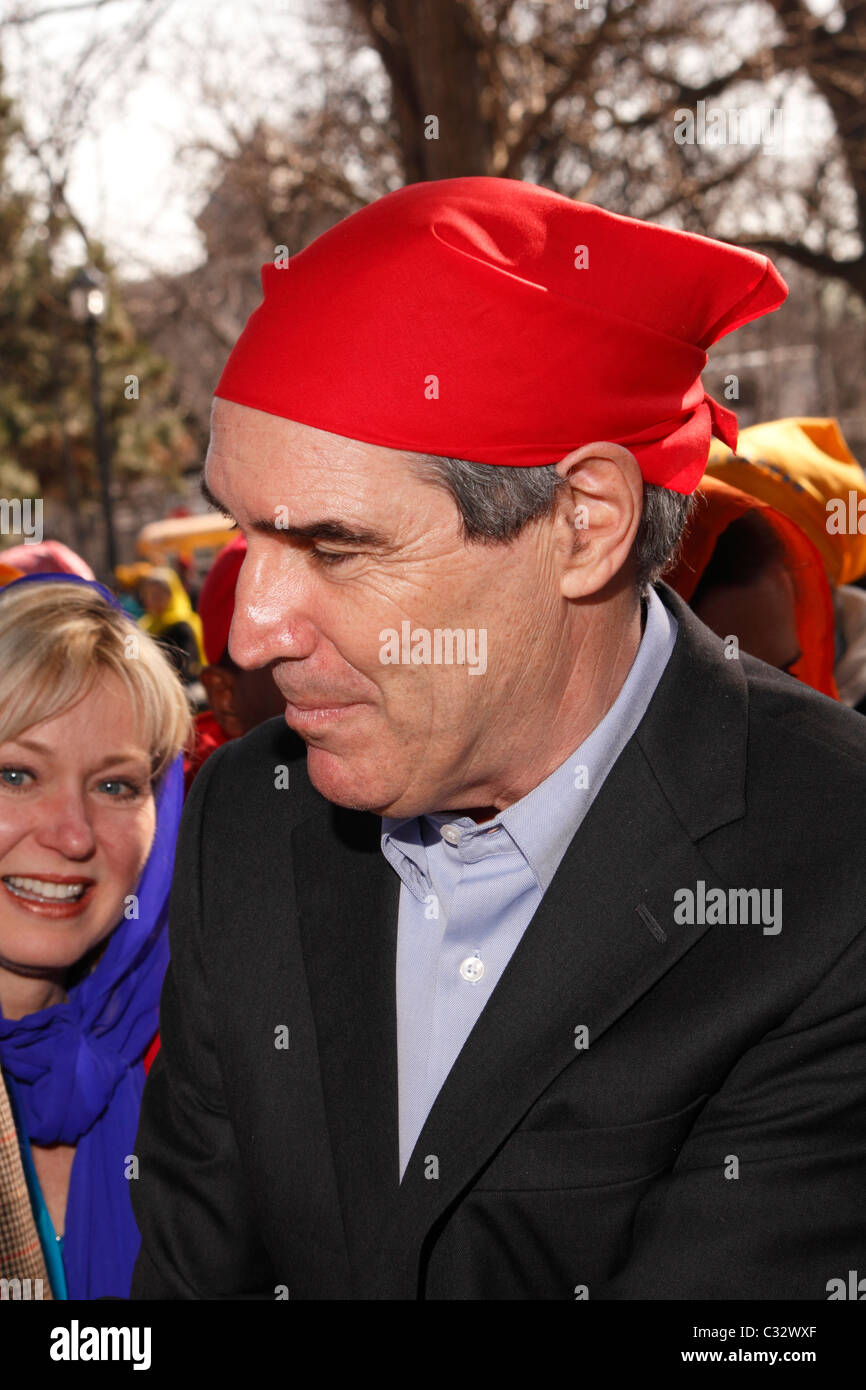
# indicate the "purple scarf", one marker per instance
pixel 78 1066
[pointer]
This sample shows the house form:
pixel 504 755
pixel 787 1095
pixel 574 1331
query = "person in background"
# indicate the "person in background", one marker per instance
pixel 750 572
pixel 90 802
pixel 188 576
pixel 47 557
pixel 804 468
pixel 238 700
pixel 169 617
pixel 127 582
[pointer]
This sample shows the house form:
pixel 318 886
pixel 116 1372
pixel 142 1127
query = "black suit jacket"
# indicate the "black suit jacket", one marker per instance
pixel 708 1143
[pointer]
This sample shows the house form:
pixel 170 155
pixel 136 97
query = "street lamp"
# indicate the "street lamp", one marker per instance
pixel 87 303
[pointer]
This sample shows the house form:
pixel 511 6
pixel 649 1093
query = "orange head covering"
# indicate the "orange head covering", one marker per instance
pixel 8 573
pixel 717 506
pixel 804 469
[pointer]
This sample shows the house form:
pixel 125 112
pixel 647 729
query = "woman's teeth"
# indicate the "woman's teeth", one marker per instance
pixel 40 890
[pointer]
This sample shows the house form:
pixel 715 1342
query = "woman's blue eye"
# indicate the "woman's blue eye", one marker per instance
pixel 120 788
pixel 14 776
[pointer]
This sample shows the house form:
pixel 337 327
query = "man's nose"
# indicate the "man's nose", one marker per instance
pixel 271 619
pixel 65 823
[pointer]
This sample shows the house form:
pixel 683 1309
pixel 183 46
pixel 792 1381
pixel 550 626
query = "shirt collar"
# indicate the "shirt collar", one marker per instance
pixel 542 824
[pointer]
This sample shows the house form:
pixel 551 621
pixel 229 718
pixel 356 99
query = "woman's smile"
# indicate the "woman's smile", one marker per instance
pixel 51 895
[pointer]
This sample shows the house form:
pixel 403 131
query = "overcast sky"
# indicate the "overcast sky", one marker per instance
pixel 127 184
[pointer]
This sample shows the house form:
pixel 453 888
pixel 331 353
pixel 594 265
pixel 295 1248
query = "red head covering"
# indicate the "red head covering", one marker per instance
pixel 496 321
pixel 216 602
pixel 718 505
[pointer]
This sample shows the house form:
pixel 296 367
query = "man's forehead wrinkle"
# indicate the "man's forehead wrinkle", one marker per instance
pixel 280 441
pixel 342 469
pixel 358 489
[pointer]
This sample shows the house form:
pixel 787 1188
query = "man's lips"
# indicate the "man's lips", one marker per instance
pixel 314 704
pixel 310 717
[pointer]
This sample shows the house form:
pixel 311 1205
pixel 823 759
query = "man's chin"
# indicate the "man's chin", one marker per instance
pixel 346 782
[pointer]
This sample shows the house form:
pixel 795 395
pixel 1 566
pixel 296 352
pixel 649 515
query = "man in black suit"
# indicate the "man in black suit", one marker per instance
pixel 537 975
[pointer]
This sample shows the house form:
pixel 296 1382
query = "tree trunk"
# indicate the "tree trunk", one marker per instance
pixel 438 64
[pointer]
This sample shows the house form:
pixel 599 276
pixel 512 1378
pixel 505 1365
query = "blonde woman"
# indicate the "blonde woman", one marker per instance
pixel 92 723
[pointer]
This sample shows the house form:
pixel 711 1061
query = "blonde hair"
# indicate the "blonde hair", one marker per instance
pixel 57 638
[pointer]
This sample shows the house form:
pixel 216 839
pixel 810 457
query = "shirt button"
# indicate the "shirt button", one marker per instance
pixel 451 833
pixel 472 969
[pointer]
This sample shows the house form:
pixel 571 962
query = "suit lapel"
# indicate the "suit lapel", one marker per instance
pixel 603 934
pixel 348 898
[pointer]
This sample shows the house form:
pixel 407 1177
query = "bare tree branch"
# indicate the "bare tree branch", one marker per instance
pixel 21 17
pixel 852 272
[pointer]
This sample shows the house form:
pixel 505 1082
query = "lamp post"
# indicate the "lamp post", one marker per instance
pixel 87 303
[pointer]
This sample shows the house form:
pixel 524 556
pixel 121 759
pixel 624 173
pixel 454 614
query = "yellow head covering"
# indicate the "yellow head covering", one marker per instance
pixel 179 610
pixel 129 576
pixel 804 469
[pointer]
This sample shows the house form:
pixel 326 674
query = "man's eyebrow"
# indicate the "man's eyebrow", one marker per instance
pixel 328 529
pixel 211 500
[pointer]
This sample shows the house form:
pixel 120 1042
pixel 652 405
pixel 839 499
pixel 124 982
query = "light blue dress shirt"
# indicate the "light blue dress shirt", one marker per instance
pixel 469 891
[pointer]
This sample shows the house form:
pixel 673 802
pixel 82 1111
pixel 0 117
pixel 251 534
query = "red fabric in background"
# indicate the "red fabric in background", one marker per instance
pixel 208 736
pixel 150 1054
pixel 216 602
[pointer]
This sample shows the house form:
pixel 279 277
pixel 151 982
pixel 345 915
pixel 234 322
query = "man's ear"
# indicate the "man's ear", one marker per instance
pixel 602 511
